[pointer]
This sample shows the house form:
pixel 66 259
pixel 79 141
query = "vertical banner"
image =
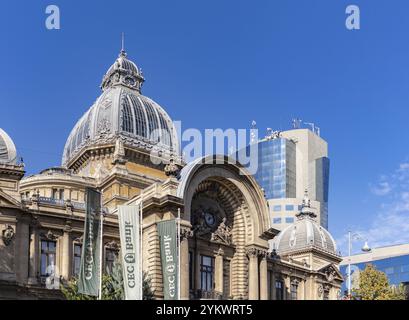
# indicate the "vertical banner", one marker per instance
pixel 90 273
pixel 168 251
pixel 130 247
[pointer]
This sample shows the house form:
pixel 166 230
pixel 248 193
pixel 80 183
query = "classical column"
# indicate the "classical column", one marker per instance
pixel 197 271
pixel 287 288
pixel 66 254
pixel 184 264
pixel 219 271
pixel 22 235
pixel 263 277
pixel 252 253
pixel 34 255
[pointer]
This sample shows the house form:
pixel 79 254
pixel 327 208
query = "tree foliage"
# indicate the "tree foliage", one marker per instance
pixel 374 285
pixel 112 286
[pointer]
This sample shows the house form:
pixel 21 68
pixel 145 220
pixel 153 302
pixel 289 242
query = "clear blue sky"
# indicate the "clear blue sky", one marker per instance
pixel 221 64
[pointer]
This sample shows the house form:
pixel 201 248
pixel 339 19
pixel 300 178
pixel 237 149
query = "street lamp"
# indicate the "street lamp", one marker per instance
pixel 365 248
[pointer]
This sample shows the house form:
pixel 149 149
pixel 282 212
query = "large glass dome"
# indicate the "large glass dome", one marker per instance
pixel 122 112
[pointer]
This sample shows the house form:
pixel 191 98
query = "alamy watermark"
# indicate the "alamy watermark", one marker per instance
pixel 53 20
pixel 353 20
pixel 212 146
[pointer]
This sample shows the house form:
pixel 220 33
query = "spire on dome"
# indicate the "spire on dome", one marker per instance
pixel 123 52
pixel 306 208
pixel 123 72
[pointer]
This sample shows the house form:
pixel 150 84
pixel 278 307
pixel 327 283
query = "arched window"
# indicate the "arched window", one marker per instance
pixel 127 121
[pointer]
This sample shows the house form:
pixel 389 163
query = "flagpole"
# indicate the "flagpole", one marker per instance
pixel 178 237
pixel 101 248
pixel 141 240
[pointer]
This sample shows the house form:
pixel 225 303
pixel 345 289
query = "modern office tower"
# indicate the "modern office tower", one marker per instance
pixel 289 163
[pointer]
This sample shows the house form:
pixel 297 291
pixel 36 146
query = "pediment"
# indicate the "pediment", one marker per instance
pixel 8 201
pixel 331 272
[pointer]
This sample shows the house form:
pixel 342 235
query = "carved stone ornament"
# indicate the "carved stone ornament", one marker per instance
pixel 320 290
pixel 50 235
pixel 171 169
pixel 104 126
pixel 112 245
pixel 185 234
pixel 79 240
pixel 223 233
pixel 254 252
pixel 8 235
pixel 220 252
pixel 330 273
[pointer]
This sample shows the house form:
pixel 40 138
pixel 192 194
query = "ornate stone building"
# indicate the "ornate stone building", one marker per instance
pixel 126 145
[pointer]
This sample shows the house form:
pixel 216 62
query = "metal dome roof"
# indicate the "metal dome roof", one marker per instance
pixel 8 152
pixel 304 233
pixel 123 112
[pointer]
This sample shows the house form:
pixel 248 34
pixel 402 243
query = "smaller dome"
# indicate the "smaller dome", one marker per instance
pixel 8 152
pixel 123 72
pixel 304 233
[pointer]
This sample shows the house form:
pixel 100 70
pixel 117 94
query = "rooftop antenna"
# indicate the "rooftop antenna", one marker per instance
pixel 312 126
pixel 297 123
pixel 269 133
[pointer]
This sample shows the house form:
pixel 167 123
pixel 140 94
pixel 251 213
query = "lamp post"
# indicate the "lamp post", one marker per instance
pixel 365 248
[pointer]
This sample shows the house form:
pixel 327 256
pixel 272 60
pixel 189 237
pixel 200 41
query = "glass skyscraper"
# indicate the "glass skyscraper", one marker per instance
pixel 289 163
pixel 277 168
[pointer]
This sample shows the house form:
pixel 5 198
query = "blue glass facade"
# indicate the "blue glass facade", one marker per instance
pixel 396 268
pixel 276 172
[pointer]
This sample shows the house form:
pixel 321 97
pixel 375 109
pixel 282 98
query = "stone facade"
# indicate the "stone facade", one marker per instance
pixel 225 223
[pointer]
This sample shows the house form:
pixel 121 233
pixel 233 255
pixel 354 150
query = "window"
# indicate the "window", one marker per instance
pixel 277 208
pixel 289 220
pixel 61 194
pixel 54 194
pixel 389 270
pixel 279 290
pixel 77 259
pixel 294 291
pixel 127 119
pixel 289 207
pixel 110 257
pixel 405 268
pixel 277 220
pixel 47 263
pixel 206 273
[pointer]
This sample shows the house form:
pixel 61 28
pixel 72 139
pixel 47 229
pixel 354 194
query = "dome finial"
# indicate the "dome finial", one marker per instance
pixel 306 202
pixel 306 207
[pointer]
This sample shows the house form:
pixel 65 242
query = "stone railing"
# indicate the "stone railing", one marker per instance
pixel 206 295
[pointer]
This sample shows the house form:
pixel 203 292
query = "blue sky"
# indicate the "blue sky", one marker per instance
pixel 221 64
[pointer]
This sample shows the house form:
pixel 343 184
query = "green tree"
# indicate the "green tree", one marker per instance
pixel 374 285
pixel 112 287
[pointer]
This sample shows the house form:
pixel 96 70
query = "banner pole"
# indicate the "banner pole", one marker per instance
pixel 179 242
pixel 140 241
pixel 101 246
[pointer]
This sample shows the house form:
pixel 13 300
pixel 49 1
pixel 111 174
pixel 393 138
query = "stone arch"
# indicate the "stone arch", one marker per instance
pixel 243 201
pixel 223 168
